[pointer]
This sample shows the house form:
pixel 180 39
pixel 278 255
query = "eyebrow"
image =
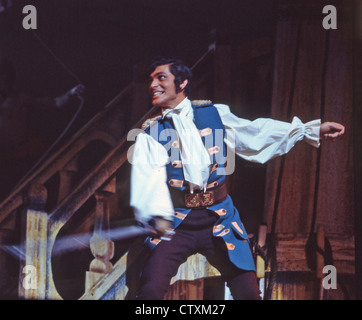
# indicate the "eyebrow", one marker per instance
pixel 158 74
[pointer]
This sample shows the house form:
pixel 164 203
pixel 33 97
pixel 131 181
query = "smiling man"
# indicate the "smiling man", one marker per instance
pixel 173 192
pixel 167 87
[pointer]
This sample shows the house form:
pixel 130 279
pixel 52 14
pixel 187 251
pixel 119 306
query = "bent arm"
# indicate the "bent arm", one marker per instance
pixel 150 196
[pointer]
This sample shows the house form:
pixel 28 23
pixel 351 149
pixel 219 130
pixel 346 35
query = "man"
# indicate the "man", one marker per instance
pixel 178 179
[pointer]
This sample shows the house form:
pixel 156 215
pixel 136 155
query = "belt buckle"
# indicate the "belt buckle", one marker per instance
pixel 199 199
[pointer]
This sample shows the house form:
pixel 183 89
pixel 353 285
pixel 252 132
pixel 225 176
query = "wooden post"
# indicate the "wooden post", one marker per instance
pixel 66 179
pixel 101 246
pixel 260 262
pixel 33 268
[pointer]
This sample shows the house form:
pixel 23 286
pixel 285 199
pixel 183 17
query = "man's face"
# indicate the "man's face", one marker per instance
pixel 163 90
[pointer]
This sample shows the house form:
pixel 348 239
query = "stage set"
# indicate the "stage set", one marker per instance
pixel 74 82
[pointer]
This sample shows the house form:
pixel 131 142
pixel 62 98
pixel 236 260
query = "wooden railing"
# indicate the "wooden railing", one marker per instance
pixel 94 130
pixel 42 220
pixel 42 228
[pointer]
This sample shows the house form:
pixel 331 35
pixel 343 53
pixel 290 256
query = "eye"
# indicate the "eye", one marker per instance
pixel 162 77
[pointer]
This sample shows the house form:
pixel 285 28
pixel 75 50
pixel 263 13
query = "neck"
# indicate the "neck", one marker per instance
pixel 174 105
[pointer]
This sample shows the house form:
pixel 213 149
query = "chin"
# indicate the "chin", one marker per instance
pixel 158 103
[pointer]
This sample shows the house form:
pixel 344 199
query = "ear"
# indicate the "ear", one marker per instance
pixel 183 84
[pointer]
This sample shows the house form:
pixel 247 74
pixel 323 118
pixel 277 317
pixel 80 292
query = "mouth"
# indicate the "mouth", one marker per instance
pixel 156 94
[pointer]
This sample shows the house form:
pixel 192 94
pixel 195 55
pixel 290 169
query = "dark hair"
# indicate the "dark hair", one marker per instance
pixel 178 68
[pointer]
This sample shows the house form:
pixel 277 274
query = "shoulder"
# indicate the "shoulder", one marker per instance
pixel 145 125
pixel 222 108
pixel 201 103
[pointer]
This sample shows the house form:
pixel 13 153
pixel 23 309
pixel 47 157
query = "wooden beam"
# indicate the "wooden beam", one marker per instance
pixel 291 252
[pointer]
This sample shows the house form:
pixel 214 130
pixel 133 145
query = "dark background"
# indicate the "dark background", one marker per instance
pixel 100 41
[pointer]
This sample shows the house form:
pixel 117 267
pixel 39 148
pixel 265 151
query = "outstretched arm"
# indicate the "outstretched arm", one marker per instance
pixel 263 139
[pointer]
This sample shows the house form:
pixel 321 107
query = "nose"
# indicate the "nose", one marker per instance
pixel 154 83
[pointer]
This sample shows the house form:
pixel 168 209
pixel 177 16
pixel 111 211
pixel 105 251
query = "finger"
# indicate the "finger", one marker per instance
pixel 331 135
pixel 338 127
pixel 340 131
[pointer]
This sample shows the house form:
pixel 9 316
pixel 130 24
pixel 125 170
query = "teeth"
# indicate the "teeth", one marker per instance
pixel 158 93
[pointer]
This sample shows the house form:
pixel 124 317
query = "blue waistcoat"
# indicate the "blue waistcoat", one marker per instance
pixel 228 226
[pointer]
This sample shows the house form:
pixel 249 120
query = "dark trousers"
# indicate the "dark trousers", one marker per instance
pixel 194 235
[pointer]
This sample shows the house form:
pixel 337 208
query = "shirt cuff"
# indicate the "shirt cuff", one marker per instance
pixel 312 133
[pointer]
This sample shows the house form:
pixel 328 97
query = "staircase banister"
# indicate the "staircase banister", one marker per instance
pixel 53 165
pixel 57 160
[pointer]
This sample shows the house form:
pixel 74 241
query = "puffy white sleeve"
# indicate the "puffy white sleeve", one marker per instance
pixel 149 192
pixel 263 139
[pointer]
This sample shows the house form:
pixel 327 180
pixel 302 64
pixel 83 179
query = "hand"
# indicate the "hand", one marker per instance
pixel 161 225
pixel 331 130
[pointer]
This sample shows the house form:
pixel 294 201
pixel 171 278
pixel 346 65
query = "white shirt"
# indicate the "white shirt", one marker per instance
pixel 257 141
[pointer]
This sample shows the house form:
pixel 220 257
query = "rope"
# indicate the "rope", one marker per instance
pixel 211 48
pixel 55 56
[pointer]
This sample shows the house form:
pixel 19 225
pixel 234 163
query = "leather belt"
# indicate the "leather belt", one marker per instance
pixel 199 199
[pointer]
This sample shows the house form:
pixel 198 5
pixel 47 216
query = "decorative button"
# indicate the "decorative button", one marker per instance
pixel 214 150
pixel 177 164
pixel 235 224
pixel 176 144
pixel 212 185
pixel 176 183
pixel 218 228
pixel 230 246
pixel 226 231
pixel 205 132
pixel 221 212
